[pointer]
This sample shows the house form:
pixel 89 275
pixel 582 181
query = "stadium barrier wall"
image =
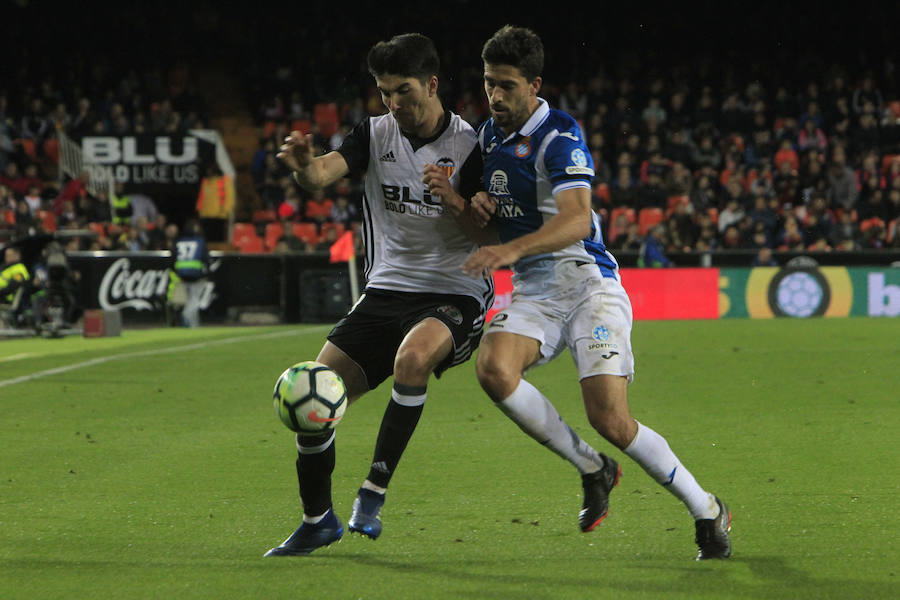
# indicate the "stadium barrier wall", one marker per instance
pixel 308 288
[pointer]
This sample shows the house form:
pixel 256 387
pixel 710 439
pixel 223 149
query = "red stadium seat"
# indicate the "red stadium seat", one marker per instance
pixel 51 149
pixel 264 216
pixel 250 245
pixel 47 219
pixel 306 232
pixel 648 218
pixel 274 231
pixel 325 114
pixel 626 210
pixel 301 125
pixel 242 230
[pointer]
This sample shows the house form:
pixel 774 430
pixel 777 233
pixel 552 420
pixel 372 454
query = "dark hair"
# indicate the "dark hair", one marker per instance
pixel 406 55
pixel 517 47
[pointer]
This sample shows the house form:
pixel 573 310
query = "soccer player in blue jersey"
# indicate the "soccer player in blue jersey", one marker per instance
pixel 567 291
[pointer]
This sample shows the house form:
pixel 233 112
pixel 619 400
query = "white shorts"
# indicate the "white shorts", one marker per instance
pixel 593 321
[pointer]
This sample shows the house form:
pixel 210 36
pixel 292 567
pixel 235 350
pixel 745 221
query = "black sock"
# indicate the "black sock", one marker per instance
pixel 397 427
pixel 314 475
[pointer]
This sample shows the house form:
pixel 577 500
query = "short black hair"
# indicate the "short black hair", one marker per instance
pixel 406 55
pixel 517 47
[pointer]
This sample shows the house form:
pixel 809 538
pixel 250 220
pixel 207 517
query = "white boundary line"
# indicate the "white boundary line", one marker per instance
pixel 104 359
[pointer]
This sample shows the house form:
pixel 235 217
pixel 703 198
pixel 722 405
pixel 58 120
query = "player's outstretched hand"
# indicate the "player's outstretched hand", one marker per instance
pixel 439 186
pixel 488 259
pixel 483 208
pixel 297 150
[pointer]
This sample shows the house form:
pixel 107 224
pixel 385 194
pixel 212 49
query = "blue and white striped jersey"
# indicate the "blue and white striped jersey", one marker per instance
pixel 522 173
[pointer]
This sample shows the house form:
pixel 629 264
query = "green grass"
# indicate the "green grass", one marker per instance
pixel 164 473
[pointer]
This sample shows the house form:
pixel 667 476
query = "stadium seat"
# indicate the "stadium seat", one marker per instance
pixel 649 217
pixel 47 219
pixel 713 213
pixel 264 216
pixel 301 125
pixel 887 160
pixel 338 228
pixel 51 149
pixel 98 228
pixel 306 232
pixel 28 146
pixel 242 230
pixel 250 245
pixel 673 201
pixel 9 217
pixel 268 129
pixel 325 114
pixel 626 210
pixel 273 232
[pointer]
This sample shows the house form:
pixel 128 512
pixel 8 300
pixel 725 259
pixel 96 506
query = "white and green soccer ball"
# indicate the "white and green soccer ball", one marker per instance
pixel 310 398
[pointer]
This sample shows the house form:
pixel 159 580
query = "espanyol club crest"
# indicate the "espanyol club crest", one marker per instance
pixel 523 147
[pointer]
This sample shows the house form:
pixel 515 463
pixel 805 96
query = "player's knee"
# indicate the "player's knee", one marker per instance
pixel 412 365
pixel 616 428
pixel 496 377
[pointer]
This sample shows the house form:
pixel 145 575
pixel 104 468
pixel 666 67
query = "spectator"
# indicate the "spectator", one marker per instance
pixel 811 137
pixel 706 154
pixel 764 258
pixel 841 180
pixel 318 208
pixel 867 93
pixel 652 253
pixel 343 212
pixel 33 199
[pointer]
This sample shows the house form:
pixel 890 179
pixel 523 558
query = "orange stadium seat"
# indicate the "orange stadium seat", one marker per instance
pixel 242 230
pixel 622 210
pixel 48 219
pixel 648 217
pixel 338 228
pixel 306 232
pixel 325 114
pixel 264 216
pixel 250 245
pixel 273 232
pixel 301 125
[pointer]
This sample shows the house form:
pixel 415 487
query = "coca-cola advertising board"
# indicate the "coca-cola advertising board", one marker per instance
pixel 137 284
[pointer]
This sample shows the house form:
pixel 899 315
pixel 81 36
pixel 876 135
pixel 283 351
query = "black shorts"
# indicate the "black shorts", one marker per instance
pixel 372 331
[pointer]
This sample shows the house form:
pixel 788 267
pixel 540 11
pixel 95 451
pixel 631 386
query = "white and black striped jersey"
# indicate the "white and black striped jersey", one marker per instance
pixel 412 244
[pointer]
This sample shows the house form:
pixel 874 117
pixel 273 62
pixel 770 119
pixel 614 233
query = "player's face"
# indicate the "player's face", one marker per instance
pixel 407 98
pixel 511 96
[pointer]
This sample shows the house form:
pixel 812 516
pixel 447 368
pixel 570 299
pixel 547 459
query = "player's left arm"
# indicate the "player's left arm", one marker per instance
pixel 571 224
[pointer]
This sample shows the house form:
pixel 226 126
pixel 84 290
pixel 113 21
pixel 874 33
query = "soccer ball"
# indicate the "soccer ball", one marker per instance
pixel 310 398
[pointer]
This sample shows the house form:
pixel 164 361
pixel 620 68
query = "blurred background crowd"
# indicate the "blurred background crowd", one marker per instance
pixel 710 129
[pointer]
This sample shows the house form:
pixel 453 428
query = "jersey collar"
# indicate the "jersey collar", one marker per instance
pixel 534 121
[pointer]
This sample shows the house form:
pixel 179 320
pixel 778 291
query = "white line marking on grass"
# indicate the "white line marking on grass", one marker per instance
pixel 17 356
pixel 104 359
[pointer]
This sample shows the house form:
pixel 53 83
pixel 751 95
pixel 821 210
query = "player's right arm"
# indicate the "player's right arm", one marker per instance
pixel 311 172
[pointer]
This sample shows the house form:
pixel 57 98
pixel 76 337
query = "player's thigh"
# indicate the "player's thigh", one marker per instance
pixel 423 348
pixel 599 333
pixel 352 374
pixel 502 359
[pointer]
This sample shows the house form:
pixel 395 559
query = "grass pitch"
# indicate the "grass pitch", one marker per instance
pixel 152 466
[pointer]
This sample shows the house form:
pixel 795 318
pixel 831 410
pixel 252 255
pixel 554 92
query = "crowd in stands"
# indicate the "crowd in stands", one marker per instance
pixel 814 168
pixel 707 148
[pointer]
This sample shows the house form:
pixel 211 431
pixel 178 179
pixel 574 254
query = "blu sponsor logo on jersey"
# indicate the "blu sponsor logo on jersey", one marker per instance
pixel 398 199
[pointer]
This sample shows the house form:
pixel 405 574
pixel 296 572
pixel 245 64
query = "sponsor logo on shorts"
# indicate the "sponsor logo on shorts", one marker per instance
pixel 452 313
pixel 601 346
pixel 600 333
pixel 609 355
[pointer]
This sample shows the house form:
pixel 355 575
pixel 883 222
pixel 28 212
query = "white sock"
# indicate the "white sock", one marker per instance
pixel 652 452
pixel 368 485
pixel 534 415
pixel 314 519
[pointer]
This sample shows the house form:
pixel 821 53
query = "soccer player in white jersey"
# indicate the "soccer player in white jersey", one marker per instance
pixel 420 313
pixel 567 291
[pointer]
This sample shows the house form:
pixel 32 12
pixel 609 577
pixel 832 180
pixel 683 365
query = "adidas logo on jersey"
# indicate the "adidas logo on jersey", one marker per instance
pixel 388 157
